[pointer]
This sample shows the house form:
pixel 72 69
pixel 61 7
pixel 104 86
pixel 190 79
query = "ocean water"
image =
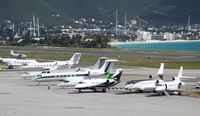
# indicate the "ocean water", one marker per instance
pixel 193 46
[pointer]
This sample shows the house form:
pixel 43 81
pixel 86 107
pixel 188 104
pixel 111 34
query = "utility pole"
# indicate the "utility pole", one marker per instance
pixel 34 34
pixel 13 29
pixel 30 29
pixel 189 23
pixel 116 26
pixel 125 23
pixel 38 27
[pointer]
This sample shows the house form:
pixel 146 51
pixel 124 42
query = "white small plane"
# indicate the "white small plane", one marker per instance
pixel 64 75
pixel 30 75
pixel 96 84
pixel 14 63
pixel 48 65
pixel 17 55
pixel 164 87
pixel 145 84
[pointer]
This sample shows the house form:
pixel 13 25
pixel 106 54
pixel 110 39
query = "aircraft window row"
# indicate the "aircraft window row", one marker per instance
pixel 47 77
pixel 20 62
pixel 64 76
pixel 43 65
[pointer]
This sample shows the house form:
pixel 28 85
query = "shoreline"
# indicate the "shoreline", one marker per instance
pixel 149 42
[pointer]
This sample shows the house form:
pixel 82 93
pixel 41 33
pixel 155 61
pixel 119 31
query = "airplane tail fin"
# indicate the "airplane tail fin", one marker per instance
pixel 108 65
pixel 180 74
pixel 11 52
pixel 99 62
pixel 75 58
pixel 117 74
pixel 161 70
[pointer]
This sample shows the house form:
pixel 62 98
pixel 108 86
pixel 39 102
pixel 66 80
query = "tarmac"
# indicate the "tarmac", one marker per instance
pixel 19 97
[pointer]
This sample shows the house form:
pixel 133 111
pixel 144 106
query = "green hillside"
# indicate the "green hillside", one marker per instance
pixel 154 11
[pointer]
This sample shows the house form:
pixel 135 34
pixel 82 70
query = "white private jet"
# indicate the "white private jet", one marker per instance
pixel 98 65
pixel 14 63
pixel 17 55
pixel 100 83
pixel 145 84
pixel 69 82
pixel 64 75
pixel 32 74
pixel 164 87
pixel 48 65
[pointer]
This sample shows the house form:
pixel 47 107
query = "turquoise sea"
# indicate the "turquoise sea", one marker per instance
pixel 193 46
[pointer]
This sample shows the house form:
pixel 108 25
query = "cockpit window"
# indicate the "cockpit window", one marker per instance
pixel 81 83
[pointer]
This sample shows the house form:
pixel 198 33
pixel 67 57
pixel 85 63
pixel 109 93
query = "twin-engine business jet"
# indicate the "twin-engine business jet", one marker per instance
pixel 68 82
pixel 63 76
pixel 164 87
pixel 48 65
pixel 28 63
pixel 96 84
pixel 32 74
pixel 14 63
pixel 17 55
pixel 145 84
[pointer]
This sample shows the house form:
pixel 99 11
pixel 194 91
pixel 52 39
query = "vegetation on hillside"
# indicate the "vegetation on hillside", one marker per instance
pixel 154 11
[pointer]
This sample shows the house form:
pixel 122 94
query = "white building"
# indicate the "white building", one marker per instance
pixel 143 36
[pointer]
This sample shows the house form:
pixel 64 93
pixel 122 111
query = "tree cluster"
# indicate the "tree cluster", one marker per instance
pixel 64 41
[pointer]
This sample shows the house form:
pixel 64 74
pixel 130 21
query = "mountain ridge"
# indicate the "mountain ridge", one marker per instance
pixel 154 11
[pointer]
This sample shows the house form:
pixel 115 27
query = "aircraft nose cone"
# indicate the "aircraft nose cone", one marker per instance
pixel 34 79
pixel 127 86
pixel 79 86
pixel 60 85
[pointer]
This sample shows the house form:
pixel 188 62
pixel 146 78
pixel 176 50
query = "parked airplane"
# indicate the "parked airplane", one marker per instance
pixel 100 83
pixel 71 81
pixel 30 75
pixel 13 62
pixel 48 65
pixel 164 87
pixel 62 76
pixel 198 85
pixel 17 55
pixel 145 84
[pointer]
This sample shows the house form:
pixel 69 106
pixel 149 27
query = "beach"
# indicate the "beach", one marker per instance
pixel 152 41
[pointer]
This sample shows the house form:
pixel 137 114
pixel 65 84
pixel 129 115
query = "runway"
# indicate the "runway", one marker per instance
pixel 181 56
pixel 21 97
